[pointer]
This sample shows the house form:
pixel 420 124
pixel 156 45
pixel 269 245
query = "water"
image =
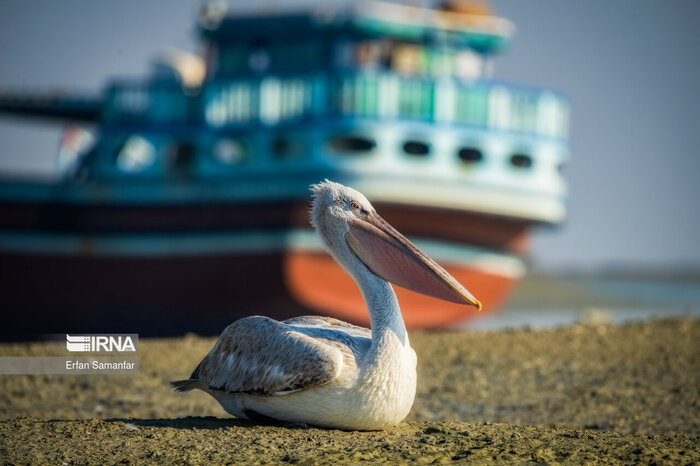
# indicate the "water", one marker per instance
pixel 547 302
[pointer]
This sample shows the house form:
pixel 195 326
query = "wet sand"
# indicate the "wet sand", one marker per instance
pixel 627 393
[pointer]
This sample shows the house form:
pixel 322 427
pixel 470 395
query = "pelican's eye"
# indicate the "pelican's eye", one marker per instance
pixel 354 205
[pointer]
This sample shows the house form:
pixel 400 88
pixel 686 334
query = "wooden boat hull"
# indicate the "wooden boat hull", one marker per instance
pixel 318 283
pixel 492 232
pixel 171 295
pixel 169 270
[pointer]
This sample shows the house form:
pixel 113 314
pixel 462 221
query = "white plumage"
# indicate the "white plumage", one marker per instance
pixel 322 371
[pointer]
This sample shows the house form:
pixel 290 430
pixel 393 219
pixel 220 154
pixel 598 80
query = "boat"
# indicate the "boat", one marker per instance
pixel 183 198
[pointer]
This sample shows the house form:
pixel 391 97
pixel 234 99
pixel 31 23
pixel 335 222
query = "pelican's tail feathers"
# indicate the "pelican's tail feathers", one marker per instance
pixel 185 385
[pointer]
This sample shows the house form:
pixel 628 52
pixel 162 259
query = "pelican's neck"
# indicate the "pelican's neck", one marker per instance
pixel 382 305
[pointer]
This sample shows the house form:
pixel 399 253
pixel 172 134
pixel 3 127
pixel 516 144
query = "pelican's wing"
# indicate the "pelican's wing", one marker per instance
pixel 262 356
pixel 353 341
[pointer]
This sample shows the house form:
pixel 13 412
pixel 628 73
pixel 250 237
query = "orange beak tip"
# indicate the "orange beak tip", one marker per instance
pixel 479 306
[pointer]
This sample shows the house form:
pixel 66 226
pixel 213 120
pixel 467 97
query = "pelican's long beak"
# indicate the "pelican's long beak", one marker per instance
pixel 388 253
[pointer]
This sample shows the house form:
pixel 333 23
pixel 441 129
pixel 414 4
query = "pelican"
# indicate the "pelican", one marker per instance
pixel 321 371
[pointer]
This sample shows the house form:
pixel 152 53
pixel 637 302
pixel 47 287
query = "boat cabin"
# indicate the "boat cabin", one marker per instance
pixel 370 88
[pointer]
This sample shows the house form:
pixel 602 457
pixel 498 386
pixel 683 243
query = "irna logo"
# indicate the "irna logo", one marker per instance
pixel 101 343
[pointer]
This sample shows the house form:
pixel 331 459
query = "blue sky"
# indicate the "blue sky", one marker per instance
pixel 630 67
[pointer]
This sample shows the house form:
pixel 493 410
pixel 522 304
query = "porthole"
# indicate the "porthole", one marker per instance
pixel 230 151
pixel 287 148
pixel 259 60
pixel 136 154
pixel 469 155
pixel 521 161
pixel 416 148
pixel 349 144
pixel 180 156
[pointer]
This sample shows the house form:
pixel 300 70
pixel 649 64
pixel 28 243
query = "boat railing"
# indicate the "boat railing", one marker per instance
pixel 485 104
pixel 152 102
pixel 277 100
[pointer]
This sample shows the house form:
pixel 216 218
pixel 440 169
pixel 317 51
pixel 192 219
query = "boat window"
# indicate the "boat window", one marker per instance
pixel 259 60
pixel 231 58
pixel 230 151
pixel 407 58
pixel 521 161
pixel 180 156
pixel 136 154
pixel 369 54
pixel 418 148
pixel 287 148
pixel 352 144
pixel 344 54
pixel 469 155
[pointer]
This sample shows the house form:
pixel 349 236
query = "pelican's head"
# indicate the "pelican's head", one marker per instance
pixel 346 220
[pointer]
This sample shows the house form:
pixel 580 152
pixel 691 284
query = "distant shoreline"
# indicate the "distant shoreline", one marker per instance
pixel 622 272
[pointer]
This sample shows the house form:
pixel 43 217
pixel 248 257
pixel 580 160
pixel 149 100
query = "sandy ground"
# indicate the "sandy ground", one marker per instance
pixel 626 394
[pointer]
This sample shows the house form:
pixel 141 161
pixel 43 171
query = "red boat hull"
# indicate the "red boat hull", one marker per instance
pixel 317 282
pixel 96 284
